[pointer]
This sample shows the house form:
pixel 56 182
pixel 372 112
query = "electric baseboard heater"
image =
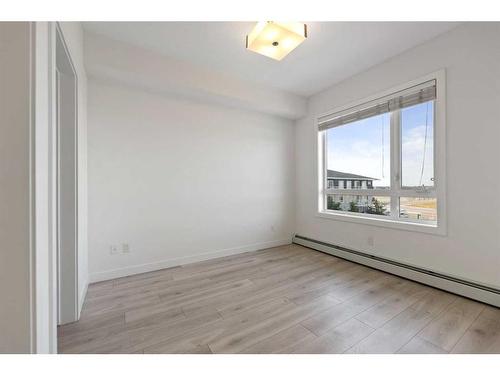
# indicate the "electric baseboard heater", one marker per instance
pixel 466 288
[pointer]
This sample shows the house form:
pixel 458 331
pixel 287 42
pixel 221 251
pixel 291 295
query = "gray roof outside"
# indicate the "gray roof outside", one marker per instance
pixel 342 175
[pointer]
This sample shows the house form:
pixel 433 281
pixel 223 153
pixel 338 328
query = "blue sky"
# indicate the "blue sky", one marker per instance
pixel 363 147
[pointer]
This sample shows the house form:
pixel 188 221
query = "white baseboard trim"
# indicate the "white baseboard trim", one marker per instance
pixel 466 288
pixel 148 267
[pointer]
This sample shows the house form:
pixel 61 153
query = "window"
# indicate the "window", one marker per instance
pixel 385 150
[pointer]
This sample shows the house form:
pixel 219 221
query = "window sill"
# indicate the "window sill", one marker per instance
pixel 384 222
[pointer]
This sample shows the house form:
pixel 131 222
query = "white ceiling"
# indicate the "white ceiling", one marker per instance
pixel 332 52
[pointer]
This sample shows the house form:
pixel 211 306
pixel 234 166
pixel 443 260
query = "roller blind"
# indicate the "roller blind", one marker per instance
pixel 414 95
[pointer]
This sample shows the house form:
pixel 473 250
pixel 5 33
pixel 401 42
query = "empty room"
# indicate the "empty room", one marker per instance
pixel 250 187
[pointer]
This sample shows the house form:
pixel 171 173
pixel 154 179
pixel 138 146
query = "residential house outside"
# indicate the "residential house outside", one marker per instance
pixel 420 208
pixel 353 203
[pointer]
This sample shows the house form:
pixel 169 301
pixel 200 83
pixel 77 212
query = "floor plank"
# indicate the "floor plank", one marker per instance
pixel 282 341
pixel 483 336
pixel 323 322
pixel 448 328
pixel 394 334
pixel 418 345
pixel 336 340
pixel 384 311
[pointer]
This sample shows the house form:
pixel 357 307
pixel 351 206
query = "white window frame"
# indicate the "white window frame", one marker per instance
pixel 438 191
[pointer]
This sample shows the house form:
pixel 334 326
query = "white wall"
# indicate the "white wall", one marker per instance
pixel 109 59
pixel 181 181
pixel 73 35
pixel 16 178
pixel 471 249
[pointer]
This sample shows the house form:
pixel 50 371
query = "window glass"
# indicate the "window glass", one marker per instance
pixel 418 209
pixel 417 146
pixel 362 204
pixel 360 151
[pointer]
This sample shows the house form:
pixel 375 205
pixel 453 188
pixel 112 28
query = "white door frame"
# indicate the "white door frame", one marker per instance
pixel 44 149
pixel 67 260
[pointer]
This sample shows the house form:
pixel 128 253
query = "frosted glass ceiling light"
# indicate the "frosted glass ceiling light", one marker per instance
pixel 276 39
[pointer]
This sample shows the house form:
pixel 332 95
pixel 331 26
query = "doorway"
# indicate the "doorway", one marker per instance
pixel 66 184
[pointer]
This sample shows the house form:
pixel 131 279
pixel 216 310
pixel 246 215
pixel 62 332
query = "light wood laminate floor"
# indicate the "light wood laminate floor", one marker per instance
pixel 287 299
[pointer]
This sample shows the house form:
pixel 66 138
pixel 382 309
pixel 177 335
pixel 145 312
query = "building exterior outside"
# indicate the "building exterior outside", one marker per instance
pixel 420 208
pixel 353 203
pixel 342 180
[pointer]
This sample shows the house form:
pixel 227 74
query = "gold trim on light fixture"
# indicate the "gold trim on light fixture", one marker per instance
pixel 276 39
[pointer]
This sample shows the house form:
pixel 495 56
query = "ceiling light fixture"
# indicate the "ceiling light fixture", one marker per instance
pixel 276 39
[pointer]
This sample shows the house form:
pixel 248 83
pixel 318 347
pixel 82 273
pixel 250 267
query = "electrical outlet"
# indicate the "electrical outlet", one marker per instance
pixel 125 248
pixel 113 250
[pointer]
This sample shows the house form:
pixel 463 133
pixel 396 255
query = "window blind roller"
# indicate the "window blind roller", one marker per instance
pixel 414 95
